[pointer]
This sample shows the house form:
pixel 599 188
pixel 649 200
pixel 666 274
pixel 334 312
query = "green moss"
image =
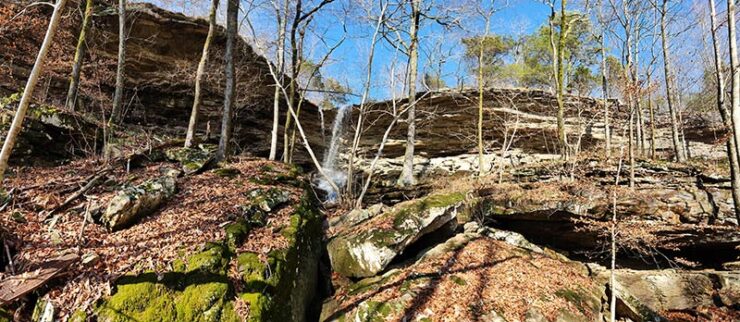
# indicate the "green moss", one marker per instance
pixel 410 212
pixel 254 272
pixel 5 316
pixel 259 305
pixel 372 311
pixel 212 259
pixel 580 298
pixel 227 172
pixel 139 299
pixel 202 301
pixel 77 316
pixel 458 280
pixel 236 232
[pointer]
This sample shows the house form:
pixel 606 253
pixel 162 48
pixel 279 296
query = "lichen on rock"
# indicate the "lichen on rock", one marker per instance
pixel 365 252
pixel 134 202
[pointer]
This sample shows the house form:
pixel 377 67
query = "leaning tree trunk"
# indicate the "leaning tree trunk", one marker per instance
pixel 189 137
pixel 668 85
pixel 232 13
pixel 118 96
pixel 725 114
pixel 74 79
pixel 20 114
pixel 407 174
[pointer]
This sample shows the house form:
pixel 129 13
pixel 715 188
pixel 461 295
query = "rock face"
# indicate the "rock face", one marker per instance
pixel 367 247
pixel 163 50
pixel 132 203
pixel 648 295
pixel 49 134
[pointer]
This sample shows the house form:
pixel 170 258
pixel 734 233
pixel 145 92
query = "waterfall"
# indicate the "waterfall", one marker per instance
pixel 329 164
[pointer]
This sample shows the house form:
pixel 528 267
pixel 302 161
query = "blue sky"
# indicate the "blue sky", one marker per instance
pixel 348 62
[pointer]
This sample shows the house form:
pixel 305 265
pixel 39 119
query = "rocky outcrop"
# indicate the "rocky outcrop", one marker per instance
pixel 471 277
pixel 49 134
pixel 366 247
pixel 652 295
pixel 132 203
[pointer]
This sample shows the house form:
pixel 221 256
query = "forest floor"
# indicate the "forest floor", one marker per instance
pixel 203 204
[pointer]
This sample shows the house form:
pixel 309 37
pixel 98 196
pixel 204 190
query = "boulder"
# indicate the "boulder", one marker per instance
pixel 192 160
pixel 367 248
pixel 261 202
pixel 134 202
pixel 650 295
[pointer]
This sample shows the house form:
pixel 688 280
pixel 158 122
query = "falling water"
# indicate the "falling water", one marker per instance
pixel 330 166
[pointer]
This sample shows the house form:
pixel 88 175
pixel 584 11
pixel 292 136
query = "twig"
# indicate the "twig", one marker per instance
pixel 85 219
pixel 91 183
pixel 10 259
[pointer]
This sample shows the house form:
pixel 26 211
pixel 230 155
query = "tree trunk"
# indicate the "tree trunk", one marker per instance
pixel 20 114
pixel 74 79
pixel 560 81
pixel 668 84
pixel 407 175
pixel 295 70
pixel 281 69
pixel 189 137
pixel 232 13
pixel 725 114
pixel 480 102
pixel 120 73
pixel 605 93
pixel 652 120
pixel 361 112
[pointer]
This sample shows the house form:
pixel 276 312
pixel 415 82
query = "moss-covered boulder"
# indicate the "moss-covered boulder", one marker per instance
pixel 192 160
pixel 281 286
pixel 367 248
pixel 194 296
pixel 134 202
pixel 263 201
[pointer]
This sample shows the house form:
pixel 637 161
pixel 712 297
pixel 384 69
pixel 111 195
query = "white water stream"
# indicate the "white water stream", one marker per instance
pixel 330 163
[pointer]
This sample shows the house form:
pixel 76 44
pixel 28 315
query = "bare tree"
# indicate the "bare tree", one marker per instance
pixel 74 78
pixel 232 13
pixel 604 80
pixel 363 103
pixel 281 15
pixel 678 151
pixel 298 27
pixel 407 174
pixel 20 114
pixel 120 72
pixel 724 113
pixel 199 75
pixel 486 14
